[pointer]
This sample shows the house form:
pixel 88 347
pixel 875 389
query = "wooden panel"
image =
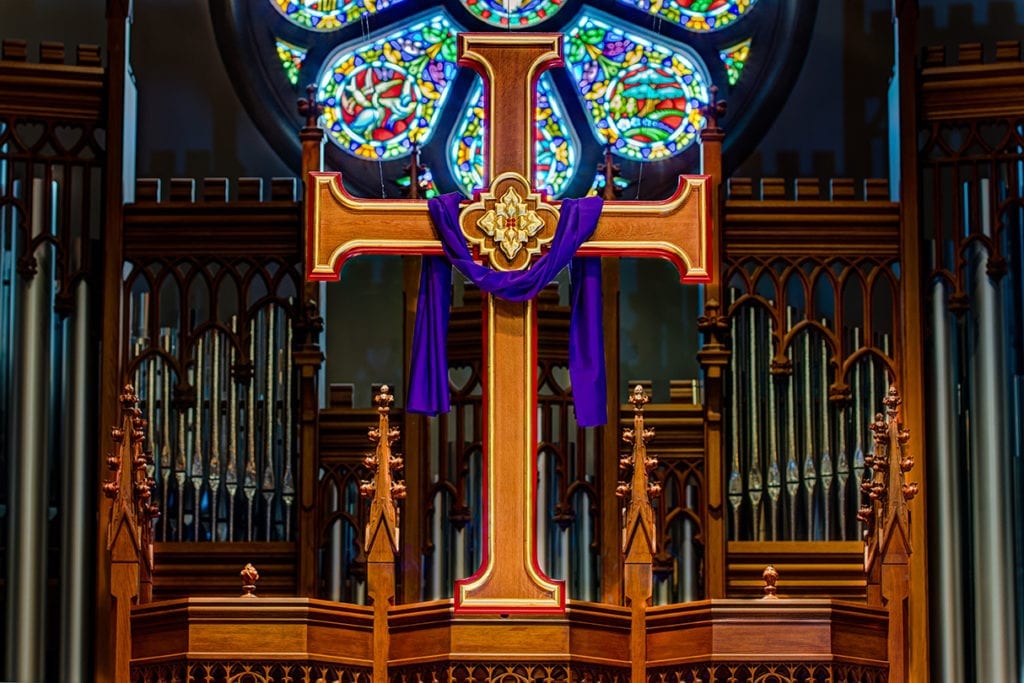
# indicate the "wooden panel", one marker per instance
pixel 212 569
pixel 182 226
pixel 968 88
pixel 51 89
pixel 590 642
pixel 806 569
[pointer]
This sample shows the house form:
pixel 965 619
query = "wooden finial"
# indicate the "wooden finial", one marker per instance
pixel 309 107
pixel 249 578
pixel 714 109
pixel 771 577
pixel 610 170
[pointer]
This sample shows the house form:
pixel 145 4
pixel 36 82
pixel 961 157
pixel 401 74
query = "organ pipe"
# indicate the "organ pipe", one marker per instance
pixel 26 578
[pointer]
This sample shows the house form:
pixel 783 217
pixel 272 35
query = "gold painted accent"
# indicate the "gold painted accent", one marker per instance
pixel 511 223
pixel 507 219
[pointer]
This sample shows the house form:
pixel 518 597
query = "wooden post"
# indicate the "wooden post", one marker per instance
pixel 308 359
pixel 129 526
pixel 381 545
pixel 713 358
pixel 639 537
pixel 909 360
pixel 888 550
pixel 118 31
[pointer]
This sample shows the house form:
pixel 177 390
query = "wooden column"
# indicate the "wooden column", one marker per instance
pixel 639 537
pixel 909 360
pixel 381 545
pixel 119 20
pixel 308 359
pixel 416 449
pixel 713 358
pixel 610 522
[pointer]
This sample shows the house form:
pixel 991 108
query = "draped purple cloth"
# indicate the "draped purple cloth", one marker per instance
pixel 428 385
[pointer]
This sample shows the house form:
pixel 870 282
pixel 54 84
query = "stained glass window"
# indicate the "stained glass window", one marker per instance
pixel 695 15
pixel 328 15
pixel 513 13
pixel 466 150
pixel 555 162
pixel 380 98
pixel 291 58
pixel 644 98
pixel 734 58
pixel 556 151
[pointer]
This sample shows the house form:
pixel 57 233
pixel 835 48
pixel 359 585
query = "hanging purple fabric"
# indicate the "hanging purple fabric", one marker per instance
pixel 428 386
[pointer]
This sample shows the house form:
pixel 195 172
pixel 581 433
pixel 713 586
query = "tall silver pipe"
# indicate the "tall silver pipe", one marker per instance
pixel 75 575
pixel 945 501
pixel 995 628
pixel 26 578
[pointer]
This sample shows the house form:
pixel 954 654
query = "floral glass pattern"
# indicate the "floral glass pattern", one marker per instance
pixel 381 98
pixel 328 15
pixel 695 15
pixel 644 98
pixel 291 57
pixel 513 13
pixel 735 58
pixel 556 150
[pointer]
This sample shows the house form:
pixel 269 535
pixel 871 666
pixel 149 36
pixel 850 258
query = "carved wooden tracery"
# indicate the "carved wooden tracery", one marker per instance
pixel 814 317
pixel 225 421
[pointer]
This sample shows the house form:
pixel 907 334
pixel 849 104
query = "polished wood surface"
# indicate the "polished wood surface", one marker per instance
pixel 429 637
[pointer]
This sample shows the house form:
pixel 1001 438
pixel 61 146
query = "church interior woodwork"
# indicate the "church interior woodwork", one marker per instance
pixel 189 496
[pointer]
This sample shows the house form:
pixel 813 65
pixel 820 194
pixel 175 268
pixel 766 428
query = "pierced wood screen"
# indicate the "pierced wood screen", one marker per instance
pixel 813 311
pixel 210 353
pixel 52 152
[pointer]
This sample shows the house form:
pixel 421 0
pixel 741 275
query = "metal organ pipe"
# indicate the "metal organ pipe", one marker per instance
pixel 945 511
pixel 78 503
pixel 26 578
pixel 995 627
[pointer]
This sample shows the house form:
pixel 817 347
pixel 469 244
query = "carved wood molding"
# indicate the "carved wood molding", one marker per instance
pixel 821 228
pixel 49 88
pixel 970 88
pixel 210 225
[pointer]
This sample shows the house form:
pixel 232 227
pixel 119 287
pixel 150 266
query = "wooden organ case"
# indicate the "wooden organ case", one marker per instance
pixel 220 348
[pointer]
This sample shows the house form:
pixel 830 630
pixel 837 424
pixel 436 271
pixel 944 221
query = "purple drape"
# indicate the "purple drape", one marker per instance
pixel 428 386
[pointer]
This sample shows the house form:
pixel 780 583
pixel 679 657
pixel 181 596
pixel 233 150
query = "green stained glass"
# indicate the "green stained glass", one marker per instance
pixel 381 97
pixel 734 58
pixel 600 181
pixel 644 98
pixel 695 15
pixel 428 189
pixel 556 155
pixel 513 13
pixel 328 15
pixel 291 58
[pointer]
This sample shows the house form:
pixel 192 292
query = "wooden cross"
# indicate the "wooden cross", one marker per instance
pixel 508 224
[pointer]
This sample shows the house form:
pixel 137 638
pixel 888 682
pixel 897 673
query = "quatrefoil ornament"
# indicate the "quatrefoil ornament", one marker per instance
pixel 509 223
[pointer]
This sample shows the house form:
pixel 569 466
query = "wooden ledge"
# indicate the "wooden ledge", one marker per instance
pixel 589 634
pixel 278 629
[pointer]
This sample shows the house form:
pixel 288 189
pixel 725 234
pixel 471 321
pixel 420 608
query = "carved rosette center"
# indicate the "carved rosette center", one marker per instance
pixel 509 224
